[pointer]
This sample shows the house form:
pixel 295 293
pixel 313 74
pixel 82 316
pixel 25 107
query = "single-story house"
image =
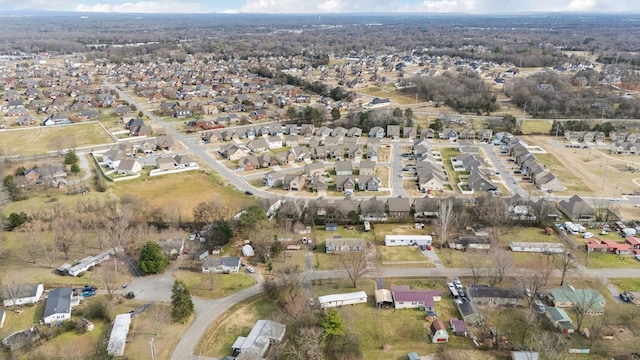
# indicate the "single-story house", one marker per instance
pixel 255 345
pixel 22 294
pixel 405 298
pixel 568 295
pixel 483 294
pixel 438 332
pixel 59 303
pixel 470 242
pixel 118 336
pixel 225 265
pixel 407 240
pixel 556 248
pixel 577 209
pixel 334 300
pixel 338 245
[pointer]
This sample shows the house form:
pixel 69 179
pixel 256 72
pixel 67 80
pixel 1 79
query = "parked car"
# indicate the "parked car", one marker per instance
pixel 451 286
pixel 624 297
pixel 423 247
pixel 587 235
pixel 130 295
pixel 250 270
pixel 457 283
pixel 248 192
pixel 540 306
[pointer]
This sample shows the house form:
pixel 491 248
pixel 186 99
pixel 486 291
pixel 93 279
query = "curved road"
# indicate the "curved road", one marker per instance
pixel 158 287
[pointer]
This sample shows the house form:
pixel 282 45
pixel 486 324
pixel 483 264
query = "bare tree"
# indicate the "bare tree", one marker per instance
pixel 535 275
pixel 356 266
pixel 32 238
pixel 566 266
pixel 111 274
pixel 58 142
pixel 64 232
pixel 13 291
pixel 307 345
pixel 445 217
pixel 499 264
pixel 583 302
pixel 477 264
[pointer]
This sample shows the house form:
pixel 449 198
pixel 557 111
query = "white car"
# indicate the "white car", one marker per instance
pixel 587 235
pixel 250 269
pixel 451 286
pixel 457 283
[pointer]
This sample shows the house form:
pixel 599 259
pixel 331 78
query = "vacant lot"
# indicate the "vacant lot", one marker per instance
pixel 401 256
pixel 583 170
pixel 535 127
pixel 180 193
pixel 214 286
pixel 40 140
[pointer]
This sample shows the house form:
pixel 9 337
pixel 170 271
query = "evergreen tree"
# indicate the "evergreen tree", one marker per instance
pixel 152 260
pixel 181 303
pixel 71 158
pixel 332 323
pixel 335 113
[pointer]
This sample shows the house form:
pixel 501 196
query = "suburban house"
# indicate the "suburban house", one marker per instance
pixel 345 183
pixel 560 319
pixel 367 167
pixel 335 300
pixel 344 168
pixel 405 298
pixel 378 103
pixel 438 332
pixel 407 240
pixel 22 294
pixel 399 207
pixel 393 131
pixel 339 245
pixel 376 132
pixel 184 161
pixel 293 182
pixel 129 167
pixel 254 346
pixel 577 209
pixel 59 303
pixel 225 265
pixel 567 296
pixel 426 207
pixel 482 294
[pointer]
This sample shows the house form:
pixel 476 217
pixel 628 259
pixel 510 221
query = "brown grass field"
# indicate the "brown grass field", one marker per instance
pixel 37 140
pixel 582 170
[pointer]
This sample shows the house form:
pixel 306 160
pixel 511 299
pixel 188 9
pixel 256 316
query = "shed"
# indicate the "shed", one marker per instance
pixel 331 227
pixel 438 332
pixel 255 345
pixel 247 250
pixel 458 327
pixel 335 300
pixel 118 336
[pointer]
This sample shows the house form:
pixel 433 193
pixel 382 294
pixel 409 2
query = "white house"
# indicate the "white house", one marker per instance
pixel 333 300
pixel 90 261
pixel 60 301
pixel 256 344
pixel 407 240
pixel 556 248
pixel 225 265
pixel 23 294
pixel 129 167
pixel 118 336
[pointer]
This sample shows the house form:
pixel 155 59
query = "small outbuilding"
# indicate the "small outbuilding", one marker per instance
pixel 118 337
pixel 3 317
pixel 438 332
pixel 247 250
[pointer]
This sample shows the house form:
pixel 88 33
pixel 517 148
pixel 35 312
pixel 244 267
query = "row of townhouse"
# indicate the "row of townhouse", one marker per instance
pixel 537 172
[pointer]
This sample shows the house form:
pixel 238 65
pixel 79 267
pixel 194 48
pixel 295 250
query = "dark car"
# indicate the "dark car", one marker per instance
pixel 130 295
pixel 624 297
pixel 248 192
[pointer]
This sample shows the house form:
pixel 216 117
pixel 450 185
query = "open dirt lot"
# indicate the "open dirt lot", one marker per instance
pixel 582 170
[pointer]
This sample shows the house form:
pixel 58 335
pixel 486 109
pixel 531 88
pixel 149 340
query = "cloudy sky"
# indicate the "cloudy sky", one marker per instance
pixel 326 6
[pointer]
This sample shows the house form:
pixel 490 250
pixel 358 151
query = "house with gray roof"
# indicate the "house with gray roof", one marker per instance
pixel 58 307
pixel 577 209
pixel 255 345
pixel 225 265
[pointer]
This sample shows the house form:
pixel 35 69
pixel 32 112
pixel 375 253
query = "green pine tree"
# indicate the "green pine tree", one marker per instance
pixel 181 303
pixel 152 260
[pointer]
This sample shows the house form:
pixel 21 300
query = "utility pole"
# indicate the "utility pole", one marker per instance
pixel 604 174
pixel 153 350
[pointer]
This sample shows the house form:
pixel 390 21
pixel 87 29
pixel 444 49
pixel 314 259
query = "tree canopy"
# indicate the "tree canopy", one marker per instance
pixel 152 260
pixel 181 303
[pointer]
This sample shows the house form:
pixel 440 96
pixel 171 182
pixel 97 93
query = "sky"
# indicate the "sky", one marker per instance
pixel 327 6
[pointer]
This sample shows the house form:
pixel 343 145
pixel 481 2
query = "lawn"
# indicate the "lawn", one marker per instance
pixel 454 176
pixel 238 321
pixel 214 286
pixel 182 192
pixel 40 140
pixel 535 127
pixel 402 256
pixel 626 284
pixel 571 181
pixel 526 234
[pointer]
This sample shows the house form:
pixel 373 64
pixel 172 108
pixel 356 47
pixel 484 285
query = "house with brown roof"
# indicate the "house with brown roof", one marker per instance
pixel 438 332
pixel 367 167
pixel 293 182
pixel 399 207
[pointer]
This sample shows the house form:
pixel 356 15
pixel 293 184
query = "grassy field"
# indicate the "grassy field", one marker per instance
pixel 214 286
pixel 182 192
pixel 39 140
pixel 626 284
pixel 535 127
pixel 402 256
pixel 560 170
